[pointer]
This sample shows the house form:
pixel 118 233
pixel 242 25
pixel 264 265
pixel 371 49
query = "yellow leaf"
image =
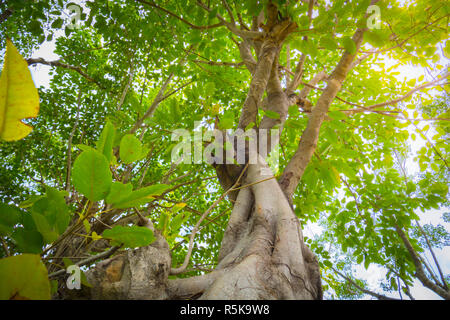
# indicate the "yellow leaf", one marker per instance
pixel 87 225
pixel 95 236
pixel 19 97
pixel 180 205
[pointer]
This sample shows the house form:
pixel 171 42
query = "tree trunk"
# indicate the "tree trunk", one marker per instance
pixel 263 255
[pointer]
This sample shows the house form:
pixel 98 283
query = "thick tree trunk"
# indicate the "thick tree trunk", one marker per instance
pixel 262 256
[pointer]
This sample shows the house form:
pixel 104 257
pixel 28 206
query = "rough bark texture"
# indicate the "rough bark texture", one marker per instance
pixel 263 253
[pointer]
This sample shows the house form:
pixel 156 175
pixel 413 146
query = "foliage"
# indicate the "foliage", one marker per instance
pixel 101 146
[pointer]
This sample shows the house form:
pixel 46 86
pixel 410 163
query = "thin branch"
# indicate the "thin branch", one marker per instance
pixel 5 247
pixel 154 5
pixel 230 12
pixel 420 273
pixel 400 44
pixel 127 86
pixel 430 142
pixel 395 101
pixel 159 97
pixel 183 267
pixel 6 14
pixel 290 88
pixel 215 63
pixel 69 147
pixel 353 283
pixel 245 34
pixel 57 63
pixel 444 283
pixel 86 261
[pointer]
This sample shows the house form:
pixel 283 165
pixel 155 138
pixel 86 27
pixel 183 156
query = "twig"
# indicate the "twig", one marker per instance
pixel 444 283
pixel 154 5
pixel 69 147
pixel 86 261
pixel 57 63
pixel 183 267
pixel 373 294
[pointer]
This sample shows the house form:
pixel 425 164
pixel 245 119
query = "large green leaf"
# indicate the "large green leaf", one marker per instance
pixel 91 175
pixel 53 207
pixel 119 192
pixel 28 240
pixel 130 149
pixel 24 277
pixel 349 45
pixel 131 237
pixel 141 196
pixel 9 216
pixel 44 227
pixel 106 141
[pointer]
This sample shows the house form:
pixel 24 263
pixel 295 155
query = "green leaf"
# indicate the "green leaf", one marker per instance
pixel 328 43
pixel 50 214
pixel 23 277
pixel 141 196
pixel 130 148
pixel 374 38
pixel 84 147
pixel 328 263
pixel 131 237
pixel 226 121
pixel 119 192
pixel 28 241
pixel 337 115
pixel 366 263
pixel 44 227
pixel 9 216
pixel 359 259
pixel 106 140
pixel 177 221
pixel 272 114
pixel 30 201
pixel 447 49
pixel 91 175
pixel 349 45
pixel 57 24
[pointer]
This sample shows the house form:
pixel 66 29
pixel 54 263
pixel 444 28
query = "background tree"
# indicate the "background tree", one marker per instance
pixel 95 179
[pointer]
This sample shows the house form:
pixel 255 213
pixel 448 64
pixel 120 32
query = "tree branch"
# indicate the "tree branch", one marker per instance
pixel 69 147
pixel 444 283
pixel 183 267
pixel 245 34
pixel 154 5
pixel 353 283
pixel 395 101
pixel 420 273
pixel 57 63
pixel 86 261
pixel 297 165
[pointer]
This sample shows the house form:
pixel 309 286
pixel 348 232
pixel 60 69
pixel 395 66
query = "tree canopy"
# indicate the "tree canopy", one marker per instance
pixel 363 152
